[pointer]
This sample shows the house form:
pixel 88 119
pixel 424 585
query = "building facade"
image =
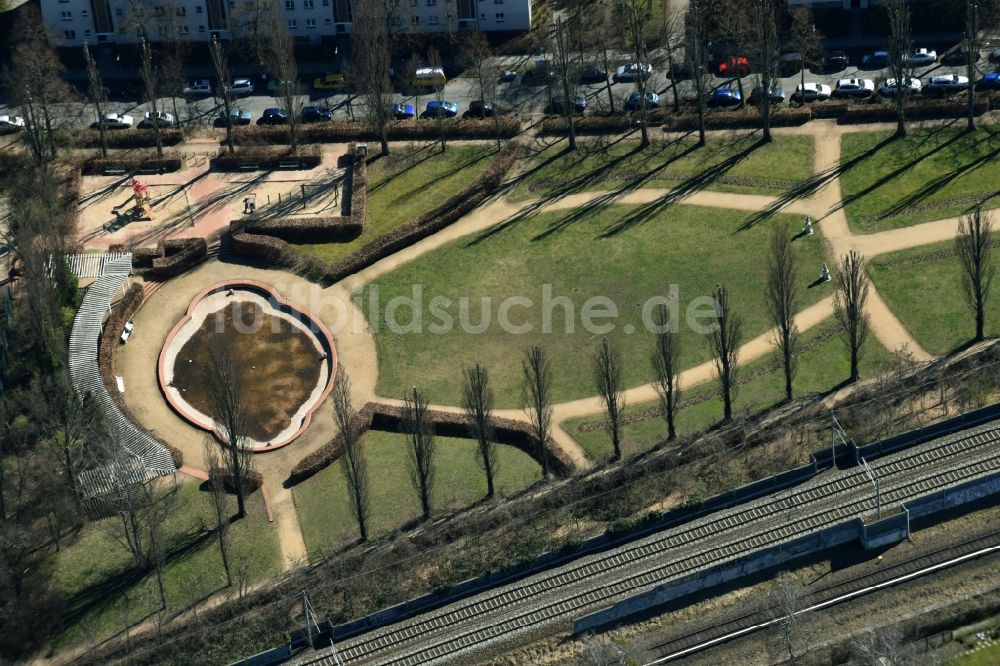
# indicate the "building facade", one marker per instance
pixel 73 22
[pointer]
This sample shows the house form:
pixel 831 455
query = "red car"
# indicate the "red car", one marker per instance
pixel 734 66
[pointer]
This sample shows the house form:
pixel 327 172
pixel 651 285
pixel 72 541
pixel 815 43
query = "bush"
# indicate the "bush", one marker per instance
pixel 346 131
pixel 746 118
pixel 129 138
pixel 266 158
pixel 170 257
pixel 922 110
pixel 253 480
pixel 307 229
pixel 830 109
pixel 132 163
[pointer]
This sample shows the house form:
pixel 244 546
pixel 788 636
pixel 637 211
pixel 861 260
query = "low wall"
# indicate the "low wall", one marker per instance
pixel 927 433
pixel 889 530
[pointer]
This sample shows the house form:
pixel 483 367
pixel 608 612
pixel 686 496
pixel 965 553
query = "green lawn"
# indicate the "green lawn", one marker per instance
pixel 930 175
pixel 925 292
pixel 404 186
pixel 691 247
pixel 987 656
pixel 822 365
pixel 741 165
pixel 103 593
pixel 323 502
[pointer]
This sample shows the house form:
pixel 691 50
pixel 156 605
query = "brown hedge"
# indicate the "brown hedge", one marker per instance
pixel 170 257
pixel 130 138
pixel 254 479
pixel 132 164
pixel 747 118
pixel 346 131
pixel 385 417
pixel 266 157
pixel 922 110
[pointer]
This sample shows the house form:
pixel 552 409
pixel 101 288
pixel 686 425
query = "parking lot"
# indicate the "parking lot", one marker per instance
pixel 511 97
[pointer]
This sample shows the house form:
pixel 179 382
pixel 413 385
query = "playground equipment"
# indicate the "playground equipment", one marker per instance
pixel 140 198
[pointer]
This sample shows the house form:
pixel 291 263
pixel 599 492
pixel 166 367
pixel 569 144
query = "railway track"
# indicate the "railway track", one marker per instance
pixel 564 593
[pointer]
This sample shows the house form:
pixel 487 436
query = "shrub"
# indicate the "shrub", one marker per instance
pixel 922 110
pixel 137 138
pixel 830 109
pixel 307 229
pixel 346 131
pixel 132 164
pixel 265 157
pixel 253 480
pixel 170 257
pixel 748 118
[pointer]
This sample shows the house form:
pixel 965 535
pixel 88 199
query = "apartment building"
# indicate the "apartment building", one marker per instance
pixel 73 22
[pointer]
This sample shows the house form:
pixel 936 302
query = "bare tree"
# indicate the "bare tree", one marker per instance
pixel 695 38
pixel 724 342
pixel 151 86
pixel 279 58
pixel 567 74
pixel 785 601
pixel 370 71
pixel 782 301
pixel 223 92
pixel 609 381
pixel 898 13
pixel 486 73
pixel 665 360
pixel 536 393
pixel 217 486
pixel 227 393
pixel 849 306
pixel 97 96
pixel 972 42
pixel 354 466
pixel 434 59
pixel 420 433
pixel 738 24
pixel 766 46
pixel 635 13
pixel 804 38
pixel 477 400
pixel 974 245
pixel 883 646
pixel 602 651
pixel 672 34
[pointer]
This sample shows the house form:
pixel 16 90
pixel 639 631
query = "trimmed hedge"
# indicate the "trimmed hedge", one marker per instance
pixel 385 417
pixel 130 138
pixel 307 229
pixel 923 110
pixel 253 480
pixel 346 131
pixel 132 163
pixel 265 157
pixel 169 258
pixel 746 118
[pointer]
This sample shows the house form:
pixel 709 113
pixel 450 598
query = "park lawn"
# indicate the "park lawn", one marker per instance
pixel 690 247
pixel 822 365
pixel 768 168
pixel 932 174
pixel 104 594
pixel 323 503
pixel 927 297
pixel 987 656
pixel 407 185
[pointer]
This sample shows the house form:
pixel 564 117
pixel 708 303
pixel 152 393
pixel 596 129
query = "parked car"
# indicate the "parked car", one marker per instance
pixel 237 116
pixel 161 119
pixel 330 82
pixel 198 87
pixel 943 85
pixel 114 121
pixel 920 58
pixel 436 109
pixel 723 97
pixel 890 88
pixel 834 61
pixel 652 101
pixel 276 87
pixel 561 105
pixel 811 92
pixel 540 74
pixel 876 60
pixel 629 73
pixel 241 87
pixel 479 109
pixel 403 111
pixel 990 81
pixel 428 77
pixel 508 75
pixel 789 64
pixel 316 114
pixel 734 66
pixel 994 56
pixel 273 116
pixel 593 74
pixel 958 56
pixel 11 123
pixel 854 88
pixel 777 94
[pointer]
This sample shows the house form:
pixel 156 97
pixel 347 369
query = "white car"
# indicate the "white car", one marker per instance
pixel 920 58
pixel 889 88
pixel 199 87
pixel 946 84
pixel 854 88
pixel 633 72
pixel 11 122
pixel 114 121
pixel 811 92
pixel 161 119
pixel 241 87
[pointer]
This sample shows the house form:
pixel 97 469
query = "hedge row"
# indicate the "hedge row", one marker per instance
pixel 389 418
pixel 738 119
pixel 924 110
pixel 359 187
pixel 132 163
pixel 307 229
pixel 263 157
pixel 169 258
pixel 130 138
pixel 346 131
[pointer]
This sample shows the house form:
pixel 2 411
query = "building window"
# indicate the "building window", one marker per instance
pixel 308 4
pixel 327 21
pixel 289 4
pixel 182 11
pixel 86 33
pixel 158 11
pixel 499 17
pixel 84 13
pixel 70 34
pixel 201 28
pixel 310 23
pixel 182 30
pixel 431 3
pixel 497 2
pixel 413 3
pixel 395 21
pixel 414 20
pixel 67 16
pixel 326 3
pixel 119 11
pixel 432 20
pixel 198 9
pixel 292 24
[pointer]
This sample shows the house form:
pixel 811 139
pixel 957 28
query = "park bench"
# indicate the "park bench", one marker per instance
pixel 249 167
pixel 289 164
pixel 113 171
pixel 148 170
